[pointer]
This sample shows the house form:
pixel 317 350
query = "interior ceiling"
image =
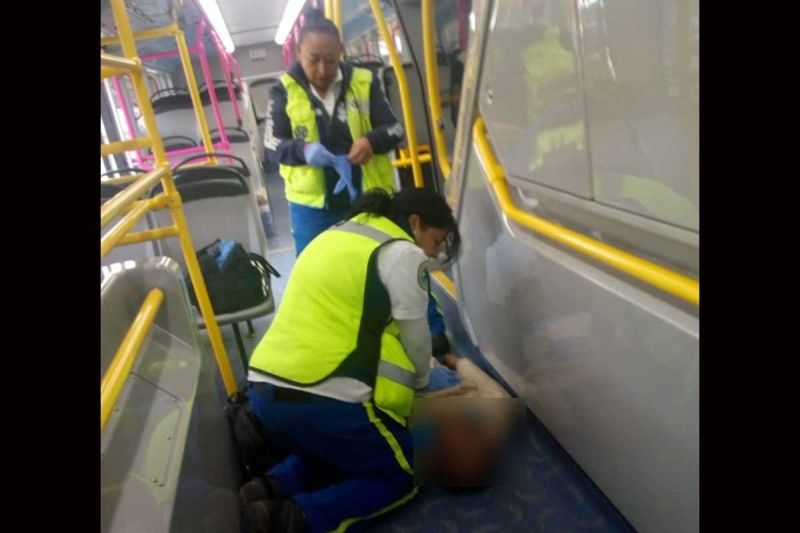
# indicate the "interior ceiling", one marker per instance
pixel 249 22
pixel 252 21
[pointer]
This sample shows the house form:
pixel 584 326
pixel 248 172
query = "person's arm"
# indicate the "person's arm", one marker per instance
pixel 399 265
pixel 415 335
pixel 386 132
pixel 279 146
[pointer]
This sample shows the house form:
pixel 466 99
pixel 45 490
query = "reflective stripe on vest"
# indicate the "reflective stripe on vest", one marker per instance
pixel 396 373
pixel 306 184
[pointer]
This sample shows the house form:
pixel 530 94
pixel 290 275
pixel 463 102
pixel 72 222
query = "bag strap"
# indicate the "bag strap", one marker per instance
pixel 204 248
pixel 264 263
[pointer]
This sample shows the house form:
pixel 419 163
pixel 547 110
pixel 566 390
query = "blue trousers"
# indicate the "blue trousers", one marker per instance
pixel 308 222
pixel 347 462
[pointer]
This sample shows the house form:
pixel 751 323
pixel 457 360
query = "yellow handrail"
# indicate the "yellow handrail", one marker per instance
pixel 402 84
pixel 124 198
pixel 120 367
pixel 672 282
pixel 333 12
pixel 432 79
pixel 337 16
pixel 446 283
pixel 122 180
pixel 122 64
pixel 406 161
pixel 125 146
pixel 139 85
pixel 421 149
pixel 170 198
pixel 121 228
pixel 110 72
pixel 150 235
pixel 153 33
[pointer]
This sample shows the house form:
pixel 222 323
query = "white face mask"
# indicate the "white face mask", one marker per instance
pixel 438 262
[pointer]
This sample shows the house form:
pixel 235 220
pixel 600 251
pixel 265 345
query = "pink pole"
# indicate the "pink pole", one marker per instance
pixel 233 70
pixel 238 72
pixel 160 55
pixel 226 69
pixel 462 15
pixel 212 93
pixel 287 51
pixel 148 159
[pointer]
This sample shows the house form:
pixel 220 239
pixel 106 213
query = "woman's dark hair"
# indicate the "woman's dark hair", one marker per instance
pixel 431 208
pixel 317 23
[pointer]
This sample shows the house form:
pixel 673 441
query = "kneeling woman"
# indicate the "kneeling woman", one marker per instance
pixel 333 379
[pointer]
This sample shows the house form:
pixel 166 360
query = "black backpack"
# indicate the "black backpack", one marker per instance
pixel 235 279
pixel 253 451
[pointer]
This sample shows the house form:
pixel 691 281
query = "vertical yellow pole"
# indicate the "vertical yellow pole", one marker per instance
pixel 137 79
pixel 143 98
pixel 337 16
pixel 402 83
pixel 432 78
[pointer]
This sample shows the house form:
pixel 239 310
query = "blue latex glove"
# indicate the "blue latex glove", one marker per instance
pixel 441 377
pixel 345 170
pixel 317 155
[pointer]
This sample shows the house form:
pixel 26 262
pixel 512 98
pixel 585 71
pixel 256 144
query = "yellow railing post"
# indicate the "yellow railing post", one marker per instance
pixel 120 367
pixel 402 83
pixel 126 202
pixel 137 80
pixel 671 282
pixel 337 16
pixel 432 82
pixel 121 200
pixel 126 223
pixel 150 235
pixel 153 33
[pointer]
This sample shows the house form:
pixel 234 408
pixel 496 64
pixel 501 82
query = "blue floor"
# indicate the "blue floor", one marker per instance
pixel 544 491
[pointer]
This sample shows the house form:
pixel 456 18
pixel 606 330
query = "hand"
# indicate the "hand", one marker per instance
pixel 317 155
pixel 441 377
pixel 360 152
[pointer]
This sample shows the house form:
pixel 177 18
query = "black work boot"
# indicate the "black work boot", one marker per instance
pixel 259 488
pixel 276 516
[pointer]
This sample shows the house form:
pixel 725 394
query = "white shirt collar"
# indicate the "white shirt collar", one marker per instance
pixel 333 89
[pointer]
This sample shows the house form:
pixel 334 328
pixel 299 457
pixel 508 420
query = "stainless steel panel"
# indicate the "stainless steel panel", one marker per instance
pixel 611 370
pixel 167 462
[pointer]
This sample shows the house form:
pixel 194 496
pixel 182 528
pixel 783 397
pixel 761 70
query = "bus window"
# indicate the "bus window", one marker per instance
pixel 641 72
pixel 531 95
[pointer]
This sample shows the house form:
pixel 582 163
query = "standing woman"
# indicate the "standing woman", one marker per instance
pixel 330 128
